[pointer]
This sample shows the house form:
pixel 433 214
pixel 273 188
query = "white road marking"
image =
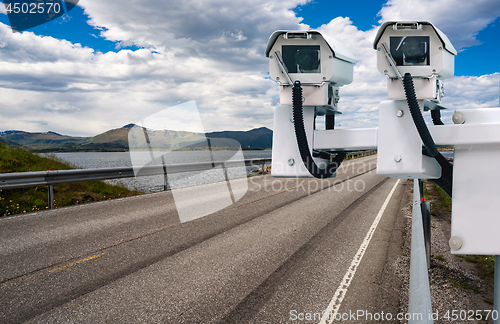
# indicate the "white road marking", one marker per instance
pixel 338 297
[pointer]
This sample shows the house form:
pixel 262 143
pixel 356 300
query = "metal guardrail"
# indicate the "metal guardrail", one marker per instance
pixel 420 294
pixel 46 178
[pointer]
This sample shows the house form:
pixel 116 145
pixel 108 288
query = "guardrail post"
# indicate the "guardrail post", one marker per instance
pixel 420 305
pixel 51 196
pixel 165 176
pixel 426 220
pixel 165 182
pixel 263 168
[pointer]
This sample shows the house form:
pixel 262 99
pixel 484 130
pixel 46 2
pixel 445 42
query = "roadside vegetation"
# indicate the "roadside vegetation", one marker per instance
pixel 23 200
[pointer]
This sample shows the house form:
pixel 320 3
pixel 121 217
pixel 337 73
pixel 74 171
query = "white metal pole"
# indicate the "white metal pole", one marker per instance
pixel 496 294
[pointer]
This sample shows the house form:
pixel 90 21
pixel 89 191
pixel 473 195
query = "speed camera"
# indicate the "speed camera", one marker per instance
pixel 309 67
pixel 322 64
pixel 418 48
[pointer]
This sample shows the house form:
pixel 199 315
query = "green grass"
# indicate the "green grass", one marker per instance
pixel 445 200
pixel 463 285
pixel 489 301
pixel 16 201
pixel 427 195
pixel 440 257
pixel 22 160
pixel 441 200
pixel 485 264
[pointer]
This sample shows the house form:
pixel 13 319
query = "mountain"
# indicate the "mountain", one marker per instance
pixel 257 138
pixel 38 141
pixel 9 132
pixel 117 140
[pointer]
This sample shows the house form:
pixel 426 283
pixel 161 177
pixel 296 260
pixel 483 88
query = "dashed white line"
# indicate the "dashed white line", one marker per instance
pixel 338 297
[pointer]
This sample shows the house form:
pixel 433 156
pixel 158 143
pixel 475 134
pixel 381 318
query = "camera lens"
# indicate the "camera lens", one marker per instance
pixel 410 50
pixel 302 58
pixel 414 51
pixel 307 59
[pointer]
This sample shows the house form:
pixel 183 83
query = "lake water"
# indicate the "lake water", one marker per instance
pixel 447 154
pixel 97 160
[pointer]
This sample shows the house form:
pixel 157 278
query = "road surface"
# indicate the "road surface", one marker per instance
pixel 284 253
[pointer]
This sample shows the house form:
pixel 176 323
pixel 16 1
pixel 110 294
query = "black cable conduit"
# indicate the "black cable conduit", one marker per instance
pixel 300 134
pixel 436 117
pixel 446 180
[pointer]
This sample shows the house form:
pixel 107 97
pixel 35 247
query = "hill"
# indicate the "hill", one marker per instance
pixel 257 138
pixel 117 140
pixel 9 132
pixel 41 140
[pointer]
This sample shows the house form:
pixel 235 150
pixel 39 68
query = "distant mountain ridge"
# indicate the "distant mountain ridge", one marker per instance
pixel 255 138
pixel 117 139
pixel 9 132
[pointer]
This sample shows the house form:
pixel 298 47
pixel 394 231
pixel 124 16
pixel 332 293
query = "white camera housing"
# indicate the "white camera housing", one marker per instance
pixel 319 62
pixel 418 48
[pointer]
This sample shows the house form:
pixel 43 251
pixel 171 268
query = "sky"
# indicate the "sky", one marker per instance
pixel 106 64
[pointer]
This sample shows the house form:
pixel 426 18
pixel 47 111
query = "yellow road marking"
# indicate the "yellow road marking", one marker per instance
pixel 68 265
pixel 76 262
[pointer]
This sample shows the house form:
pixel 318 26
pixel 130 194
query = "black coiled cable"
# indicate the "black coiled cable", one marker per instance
pixel 300 134
pixel 446 180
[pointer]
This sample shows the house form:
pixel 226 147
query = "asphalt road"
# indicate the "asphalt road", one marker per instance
pixel 283 253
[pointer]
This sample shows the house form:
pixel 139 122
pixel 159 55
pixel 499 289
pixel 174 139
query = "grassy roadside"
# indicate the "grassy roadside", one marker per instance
pixel 17 201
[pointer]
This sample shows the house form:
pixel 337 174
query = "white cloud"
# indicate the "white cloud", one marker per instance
pixel 2 9
pixel 234 36
pixel 465 92
pixel 208 51
pixel 359 100
pixel 459 20
pixel 194 27
pixel 59 106
pixel 211 52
